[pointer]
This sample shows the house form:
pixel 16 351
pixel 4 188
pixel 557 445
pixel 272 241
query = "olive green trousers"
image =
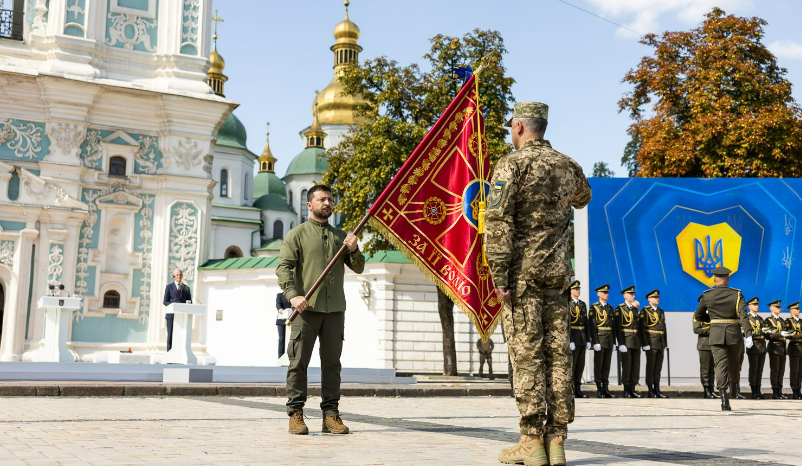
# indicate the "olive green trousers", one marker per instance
pixel 306 328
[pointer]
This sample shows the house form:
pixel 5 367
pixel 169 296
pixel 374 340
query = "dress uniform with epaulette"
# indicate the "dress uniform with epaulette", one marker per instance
pixel 654 337
pixel 579 336
pixel 600 322
pixel 628 333
pixel 793 330
pixel 726 308
pixel 757 353
pixel 707 369
pixel 774 326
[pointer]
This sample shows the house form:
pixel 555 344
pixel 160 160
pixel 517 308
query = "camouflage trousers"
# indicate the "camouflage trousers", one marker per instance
pixel 536 328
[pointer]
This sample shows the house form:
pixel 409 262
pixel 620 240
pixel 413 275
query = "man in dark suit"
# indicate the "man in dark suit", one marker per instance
pixel 579 335
pixel 654 336
pixel 176 292
pixel 757 353
pixel 773 327
pixel 726 308
pixel 626 326
pixel 600 322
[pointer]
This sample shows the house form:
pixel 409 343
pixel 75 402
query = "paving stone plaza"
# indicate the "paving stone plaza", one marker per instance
pixel 218 430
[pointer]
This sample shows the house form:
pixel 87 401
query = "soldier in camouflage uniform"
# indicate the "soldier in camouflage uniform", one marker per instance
pixel 528 214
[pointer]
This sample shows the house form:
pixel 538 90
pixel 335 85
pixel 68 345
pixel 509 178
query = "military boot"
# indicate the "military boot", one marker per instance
pixel 632 391
pixel 627 394
pixel 599 392
pixel 606 391
pixel 725 400
pixel 760 395
pixel 529 451
pixel 334 425
pixel 708 393
pixel 780 393
pixel 735 392
pixel 658 392
pixel 556 450
pixel 297 424
pixel 713 392
pixel 796 394
pixel 651 393
pixel 774 394
pixel 578 390
pixel 754 396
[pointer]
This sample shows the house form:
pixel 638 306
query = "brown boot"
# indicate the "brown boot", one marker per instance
pixel 556 451
pixel 334 425
pixel 297 424
pixel 529 451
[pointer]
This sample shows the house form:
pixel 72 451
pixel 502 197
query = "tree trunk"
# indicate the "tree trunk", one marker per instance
pixel 446 309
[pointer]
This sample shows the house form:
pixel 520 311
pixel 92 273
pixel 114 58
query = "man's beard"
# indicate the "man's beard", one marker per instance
pixel 321 214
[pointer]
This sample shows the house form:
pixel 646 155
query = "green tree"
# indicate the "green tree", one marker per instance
pixel 630 158
pixel 602 170
pixel 402 103
pixel 718 104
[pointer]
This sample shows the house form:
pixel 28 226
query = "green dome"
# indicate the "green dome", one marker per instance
pixel 311 161
pixel 272 202
pixel 232 133
pixel 268 183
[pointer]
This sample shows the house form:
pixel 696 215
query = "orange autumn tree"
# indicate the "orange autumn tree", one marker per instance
pixel 712 102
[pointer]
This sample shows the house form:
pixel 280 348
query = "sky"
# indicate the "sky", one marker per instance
pixel 277 54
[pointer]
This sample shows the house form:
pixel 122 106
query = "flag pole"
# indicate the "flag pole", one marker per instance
pixel 328 268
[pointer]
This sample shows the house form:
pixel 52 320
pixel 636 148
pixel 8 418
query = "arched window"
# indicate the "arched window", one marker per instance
pixel 117 166
pixel 289 198
pixel 247 186
pixel 304 211
pixel 278 230
pixel 224 183
pixel 111 300
pixel 232 252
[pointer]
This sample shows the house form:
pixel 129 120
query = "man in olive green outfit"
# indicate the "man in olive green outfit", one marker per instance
pixel 726 309
pixel 305 252
pixel 528 215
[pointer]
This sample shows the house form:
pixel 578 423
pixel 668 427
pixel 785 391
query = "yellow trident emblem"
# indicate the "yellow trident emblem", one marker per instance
pixel 703 248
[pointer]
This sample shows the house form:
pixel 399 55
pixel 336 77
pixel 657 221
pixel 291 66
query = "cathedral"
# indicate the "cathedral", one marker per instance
pixel 122 160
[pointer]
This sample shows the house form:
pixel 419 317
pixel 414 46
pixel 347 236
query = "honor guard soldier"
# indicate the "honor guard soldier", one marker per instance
pixel 774 325
pixel 627 331
pixel 726 308
pixel 757 353
pixel 653 325
pixel 793 330
pixel 600 321
pixel 707 373
pixel 580 339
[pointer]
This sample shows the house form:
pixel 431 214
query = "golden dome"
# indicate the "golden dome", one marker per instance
pixel 217 62
pixel 346 32
pixel 334 108
pixel 267 161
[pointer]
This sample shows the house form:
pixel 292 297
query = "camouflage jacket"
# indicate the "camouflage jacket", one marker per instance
pixel 528 213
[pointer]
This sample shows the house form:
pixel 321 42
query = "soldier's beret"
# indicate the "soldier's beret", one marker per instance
pixel 653 294
pixel 629 289
pixel 794 305
pixel 529 110
pixel 575 285
pixel 603 289
pixel 722 272
pixel 777 303
pixel 754 301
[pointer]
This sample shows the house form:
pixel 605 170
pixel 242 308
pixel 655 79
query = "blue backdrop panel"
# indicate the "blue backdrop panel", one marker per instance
pixel 643 230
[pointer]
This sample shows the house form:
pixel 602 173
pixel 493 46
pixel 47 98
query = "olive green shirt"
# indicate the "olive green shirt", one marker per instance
pixel 305 252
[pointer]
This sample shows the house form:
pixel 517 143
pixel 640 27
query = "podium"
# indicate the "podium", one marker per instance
pixel 181 352
pixel 58 312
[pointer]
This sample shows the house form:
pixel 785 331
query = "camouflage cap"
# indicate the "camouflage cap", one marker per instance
pixel 529 110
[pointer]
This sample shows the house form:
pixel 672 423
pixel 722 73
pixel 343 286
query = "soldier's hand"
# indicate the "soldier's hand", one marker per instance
pixel 597 347
pixel 572 346
pixel 587 345
pixel 622 348
pixel 350 241
pixel 503 294
pixel 748 342
pixel 299 303
pixel 647 348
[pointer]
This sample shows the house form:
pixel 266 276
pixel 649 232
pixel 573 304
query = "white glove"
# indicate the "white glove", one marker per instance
pixel 748 342
pixel 771 330
pixel 787 333
pixel 572 346
pixel 647 348
pixel 597 347
pixel 587 345
pixel 622 348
